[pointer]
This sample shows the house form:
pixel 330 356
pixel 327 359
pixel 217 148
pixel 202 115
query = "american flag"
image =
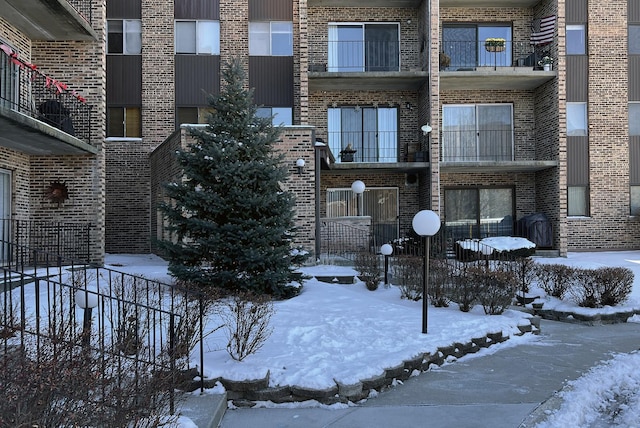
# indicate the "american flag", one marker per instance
pixel 543 30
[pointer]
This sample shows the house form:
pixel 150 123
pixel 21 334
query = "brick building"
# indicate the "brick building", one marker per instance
pixel 508 139
pixel 52 99
pixel 446 103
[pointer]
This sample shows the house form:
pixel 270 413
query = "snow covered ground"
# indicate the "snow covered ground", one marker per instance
pixel 346 333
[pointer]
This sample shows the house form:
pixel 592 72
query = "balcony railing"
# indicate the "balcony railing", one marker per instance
pixel 362 56
pixel 468 55
pixel 477 145
pixel 375 146
pixel 26 90
pixel 83 7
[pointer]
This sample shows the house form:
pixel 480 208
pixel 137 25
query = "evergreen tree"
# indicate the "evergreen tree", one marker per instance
pixel 232 221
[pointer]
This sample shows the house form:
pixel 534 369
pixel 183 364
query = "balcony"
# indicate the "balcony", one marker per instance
pixel 484 150
pixel 471 65
pixel 39 115
pixel 363 65
pixel 379 150
pixel 50 19
pixel 370 3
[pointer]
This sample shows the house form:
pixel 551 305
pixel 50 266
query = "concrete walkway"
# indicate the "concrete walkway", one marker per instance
pixel 510 388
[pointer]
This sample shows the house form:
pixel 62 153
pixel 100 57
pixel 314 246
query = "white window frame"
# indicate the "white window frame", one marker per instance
pixel 131 28
pixel 200 42
pixel 261 34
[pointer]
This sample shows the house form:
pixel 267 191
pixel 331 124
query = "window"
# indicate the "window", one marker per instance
pixel 465 45
pixel 8 81
pixel 576 40
pixel 282 116
pixel 371 131
pixel 197 37
pixel 271 38
pixel 124 37
pixel 193 115
pixel 381 203
pixel 634 118
pixel 364 47
pixel 577 201
pixel 479 212
pixel 477 132
pixel 124 122
pixel 635 200
pixel 634 39
pixel 576 119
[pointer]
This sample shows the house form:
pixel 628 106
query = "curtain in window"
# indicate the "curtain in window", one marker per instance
pixel 388 134
pixel 494 133
pixel 346 48
pixel 459 133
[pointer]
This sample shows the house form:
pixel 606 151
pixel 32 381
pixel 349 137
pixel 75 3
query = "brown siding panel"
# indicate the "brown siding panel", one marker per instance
pixel 124 80
pixel 272 80
pixel 273 10
pixel 633 11
pixel 124 9
pixel 577 78
pixel 634 77
pixel 576 11
pixel 196 77
pixel 577 161
pixel 197 9
pixel 634 160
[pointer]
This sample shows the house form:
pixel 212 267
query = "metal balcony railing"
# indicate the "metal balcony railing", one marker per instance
pixel 375 146
pixel 471 145
pixel 84 8
pixel 469 55
pixel 363 56
pixel 26 90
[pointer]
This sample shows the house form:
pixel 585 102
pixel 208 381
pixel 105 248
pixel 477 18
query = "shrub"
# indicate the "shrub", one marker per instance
pixel 495 285
pixel 368 267
pixel 407 274
pixel 524 269
pixel 247 318
pixel 555 279
pixel 462 290
pixel 606 286
pixel 439 279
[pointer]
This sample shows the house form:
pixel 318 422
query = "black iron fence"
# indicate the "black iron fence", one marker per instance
pixel 109 341
pixel 25 89
pixel 68 240
pixel 84 8
pixel 467 55
pixel 472 145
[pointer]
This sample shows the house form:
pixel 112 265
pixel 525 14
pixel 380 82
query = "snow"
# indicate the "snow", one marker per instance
pixel 344 333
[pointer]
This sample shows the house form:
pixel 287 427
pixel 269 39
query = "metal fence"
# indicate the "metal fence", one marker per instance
pixel 69 240
pixel 126 339
pixel 84 8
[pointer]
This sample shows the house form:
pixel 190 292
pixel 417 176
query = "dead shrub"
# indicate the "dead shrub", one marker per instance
pixel 407 274
pixel 439 282
pixel 495 285
pixel 606 286
pixel 246 318
pixel 462 290
pixel 555 279
pixel 368 267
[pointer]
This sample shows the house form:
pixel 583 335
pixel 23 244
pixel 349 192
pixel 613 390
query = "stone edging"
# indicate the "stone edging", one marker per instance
pixel 247 393
pixel 597 319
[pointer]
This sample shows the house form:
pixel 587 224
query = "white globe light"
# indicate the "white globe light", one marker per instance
pixel 426 223
pixel 300 163
pixel 87 298
pixel 386 250
pixel 358 187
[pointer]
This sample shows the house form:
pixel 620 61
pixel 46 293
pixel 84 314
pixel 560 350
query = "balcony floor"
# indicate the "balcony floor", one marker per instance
pixel 514 78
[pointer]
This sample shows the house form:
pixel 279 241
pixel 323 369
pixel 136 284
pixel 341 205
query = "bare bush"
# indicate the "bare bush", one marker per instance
pixel 368 267
pixel 555 279
pixel 407 274
pixel 462 291
pixel 247 320
pixel 439 282
pixel 495 285
pixel 525 270
pixel 606 286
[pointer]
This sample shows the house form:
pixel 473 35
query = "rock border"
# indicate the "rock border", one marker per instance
pixel 247 393
pixel 573 317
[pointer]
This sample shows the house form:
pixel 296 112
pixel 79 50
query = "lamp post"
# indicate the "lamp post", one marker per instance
pixel 386 251
pixel 426 223
pixel 358 188
pixel 86 299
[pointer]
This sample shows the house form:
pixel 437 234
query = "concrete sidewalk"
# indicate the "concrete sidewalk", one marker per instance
pixel 510 388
